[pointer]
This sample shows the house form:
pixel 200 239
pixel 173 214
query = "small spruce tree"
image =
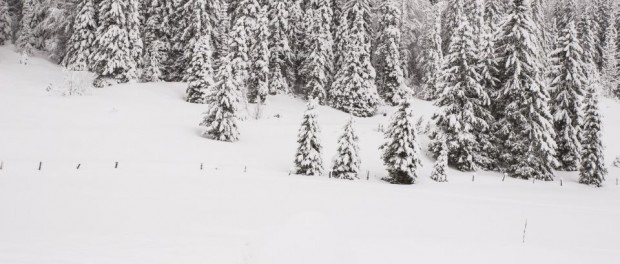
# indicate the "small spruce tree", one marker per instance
pixel 439 173
pixel 80 44
pixel 401 154
pixel 200 71
pixel 308 160
pixel 222 117
pixel 347 161
pixel 592 170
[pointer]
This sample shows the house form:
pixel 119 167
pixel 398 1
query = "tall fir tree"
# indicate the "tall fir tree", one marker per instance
pixel 390 76
pixel 463 106
pixel 25 39
pixel 587 35
pixel 224 101
pixel 200 71
pixel 258 83
pixel 525 127
pixel 347 161
pixel 432 57
pixel 176 22
pixel 567 87
pixel 296 36
pixel 354 90
pixel 242 38
pixel 5 23
pixel 317 66
pixel 281 73
pixel 156 41
pixel 112 57
pixel 604 17
pixel 134 31
pixel 308 159
pixel 401 152
pixel 610 65
pixel 592 170
pixel 201 18
pixel 80 44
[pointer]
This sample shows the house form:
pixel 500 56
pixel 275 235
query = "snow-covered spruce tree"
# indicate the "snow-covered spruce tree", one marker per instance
pixel 25 39
pixel 200 71
pixel 80 44
pixel 134 33
pixel 610 67
pixel 432 57
pixel 347 162
pixel 175 22
pixel 592 170
pixel 156 41
pixel 112 58
pixel 567 87
pixel 390 76
pixel 201 18
pixel 224 101
pixel 5 23
pixel 258 83
pixel 316 68
pixel 587 35
pixel 308 160
pixel 354 90
pixel 546 39
pixel 439 173
pixel 463 106
pixel 280 53
pixel 525 126
pixel 401 153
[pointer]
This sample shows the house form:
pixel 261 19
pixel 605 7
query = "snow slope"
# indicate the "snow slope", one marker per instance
pixel 158 206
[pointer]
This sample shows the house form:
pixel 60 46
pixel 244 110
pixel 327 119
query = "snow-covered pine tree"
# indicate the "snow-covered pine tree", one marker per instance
pixel 317 67
pixel 347 161
pixel 592 170
pixel 463 106
pixel 156 41
pixel 525 127
pixel 439 173
pixel 134 33
pixel 546 39
pixel 200 71
pixel 80 44
pixel 5 23
pixel 401 153
pixel 201 18
pixel 587 35
pixel 354 90
pixel 25 39
pixel 175 22
pixel 224 101
pixel 493 13
pixel 610 70
pixel 281 55
pixel 258 82
pixel 112 58
pixel 308 160
pixel 390 76
pixel 567 87
pixel 432 57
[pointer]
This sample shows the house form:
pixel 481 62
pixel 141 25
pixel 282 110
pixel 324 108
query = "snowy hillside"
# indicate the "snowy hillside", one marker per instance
pixel 159 206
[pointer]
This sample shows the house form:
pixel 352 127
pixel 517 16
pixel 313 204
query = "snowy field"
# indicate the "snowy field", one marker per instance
pixel 243 207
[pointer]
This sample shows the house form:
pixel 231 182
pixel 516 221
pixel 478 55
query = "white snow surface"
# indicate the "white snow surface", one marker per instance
pixel 158 206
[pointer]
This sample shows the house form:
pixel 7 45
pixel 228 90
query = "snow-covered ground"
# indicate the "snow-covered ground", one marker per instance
pixel 243 207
